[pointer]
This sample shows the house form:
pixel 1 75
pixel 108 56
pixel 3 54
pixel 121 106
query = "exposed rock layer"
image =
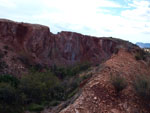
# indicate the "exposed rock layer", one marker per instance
pixel 35 44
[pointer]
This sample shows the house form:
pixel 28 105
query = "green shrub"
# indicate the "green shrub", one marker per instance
pixel 86 76
pixel 38 89
pixel 37 86
pixel 5 108
pixel 13 81
pixel 142 86
pixel 54 103
pixel 140 55
pixel 62 72
pixel 76 69
pixel 62 91
pixel 119 83
pixel 71 94
pixel 7 94
pixel 10 101
pixel 59 93
pixel 74 83
pixel 35 107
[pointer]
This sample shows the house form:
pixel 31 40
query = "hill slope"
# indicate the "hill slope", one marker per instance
pixel 99 96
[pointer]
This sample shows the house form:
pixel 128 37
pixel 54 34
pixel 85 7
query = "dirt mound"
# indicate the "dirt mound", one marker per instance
pixel 98 96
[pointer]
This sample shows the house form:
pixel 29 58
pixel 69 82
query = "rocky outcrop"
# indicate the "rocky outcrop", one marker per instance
pixel 40 46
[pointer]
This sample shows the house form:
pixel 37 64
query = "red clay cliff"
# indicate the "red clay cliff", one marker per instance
pixel 40 46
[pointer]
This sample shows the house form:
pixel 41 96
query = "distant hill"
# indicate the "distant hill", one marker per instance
pixel 143 45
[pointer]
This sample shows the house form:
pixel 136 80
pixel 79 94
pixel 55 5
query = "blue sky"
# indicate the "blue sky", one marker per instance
pixel 125 19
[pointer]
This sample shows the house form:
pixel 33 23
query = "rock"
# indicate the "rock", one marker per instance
pixel 95 98
pixel 37 44
pixel 115 111
pixel 125 106
pixel 76 111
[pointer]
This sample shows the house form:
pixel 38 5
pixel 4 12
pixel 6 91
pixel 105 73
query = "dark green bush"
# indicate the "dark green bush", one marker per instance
pixel 13 81
pixel 86 76
pixel 142 86
pixel 54 103
pixel 35 107
pixel 10 101
pixel 5 108
pixel 140 55
pixel 119 83
pixel 37 86
pixel 62 72
pixel 59 93
pixel 71 94
pixel 7 93
pixel 38 89
pixel 65 88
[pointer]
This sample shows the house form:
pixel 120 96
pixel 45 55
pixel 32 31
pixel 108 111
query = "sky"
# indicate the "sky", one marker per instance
pixel 124 19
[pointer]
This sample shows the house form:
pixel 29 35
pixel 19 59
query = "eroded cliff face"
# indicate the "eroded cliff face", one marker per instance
pixel 40 46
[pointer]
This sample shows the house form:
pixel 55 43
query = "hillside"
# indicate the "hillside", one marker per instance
pixel 69 72
pixel 99 96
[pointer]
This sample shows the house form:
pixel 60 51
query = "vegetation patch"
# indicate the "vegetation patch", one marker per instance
pixel 86 77
pixel 35 107
pixel 62 72
pixel 54 103
pixel 6 78
pixel 10 100
pixel 141 55
pixel 39 88
pixel 118 82
pixel 142 87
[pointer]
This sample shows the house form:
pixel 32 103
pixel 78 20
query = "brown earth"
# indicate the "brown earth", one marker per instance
pixel 98 96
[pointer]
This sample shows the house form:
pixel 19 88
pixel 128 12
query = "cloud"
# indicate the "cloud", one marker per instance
pixel 90 17
pixel 139 18
pixel 141 11
pixel 7 4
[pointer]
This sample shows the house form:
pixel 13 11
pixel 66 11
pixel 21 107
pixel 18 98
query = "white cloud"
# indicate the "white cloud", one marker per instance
pixel 85 16
pixel 140 13
pixel 79 4
pixel 139 19
pixel 7 4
